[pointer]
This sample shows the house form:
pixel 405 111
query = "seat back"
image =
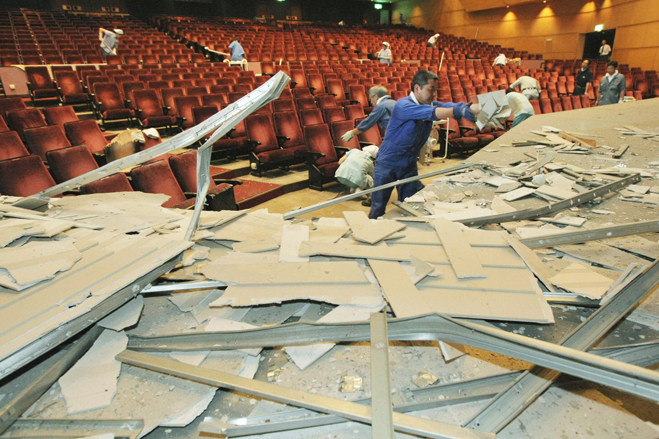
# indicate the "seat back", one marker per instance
pixel 3 125
pixel 556 105
pixel 147 101
pixel 358 93
pixel 11 104
pixel 259 128
pixel 585 101
pixel 311 116
pixel 318 139
pixel 333 114
pixel 288 125
pixel 39 78
pixel 60 115
pixel 284 105
pixel 184 106
pixel 43 139
pixel 566 103
pixel 108 97
pixel 11 146
pixel 338 128
pixel 88 133
pixel 201 113
pixel 545 104
pixel 335 87
pixel 114 183
pixel 127 89
pixel 184 168
pixel 536 106
pixel 372 135
pixel 168 95
pixel 68 82
pixel 24 176
pixel 158 178
pixel 71 162
pixel 20 120
pixel 326 101
pixel 219 100
pixel 354 112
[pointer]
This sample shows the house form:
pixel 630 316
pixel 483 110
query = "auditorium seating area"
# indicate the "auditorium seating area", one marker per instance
pixel 163 77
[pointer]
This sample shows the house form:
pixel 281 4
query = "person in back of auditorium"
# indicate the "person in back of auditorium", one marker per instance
pixel 612 86
pixel 528 85
pixel 383 106
pixel 500 60
pixel 384 55
pixel 605 51
pixel 109 40
pixel 519 106
pixel 237 51
pixel 584 79
pixel 432 41
pixel 407 132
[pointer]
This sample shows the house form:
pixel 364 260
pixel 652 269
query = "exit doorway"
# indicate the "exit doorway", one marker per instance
pixel 593 41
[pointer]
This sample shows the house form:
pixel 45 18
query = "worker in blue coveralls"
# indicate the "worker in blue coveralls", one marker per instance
pixel 383 106
pixel 408 130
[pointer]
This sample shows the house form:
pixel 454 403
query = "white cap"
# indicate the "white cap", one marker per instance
pixel 384 43
pixel 118 31
pixel 372 150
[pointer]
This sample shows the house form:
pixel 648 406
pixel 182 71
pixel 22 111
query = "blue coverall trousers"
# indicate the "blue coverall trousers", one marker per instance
pixel 386 173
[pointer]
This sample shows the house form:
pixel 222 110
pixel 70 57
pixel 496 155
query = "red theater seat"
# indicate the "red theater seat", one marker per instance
pixel 24 176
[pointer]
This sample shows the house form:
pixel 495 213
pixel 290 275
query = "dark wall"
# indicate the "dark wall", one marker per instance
pixel 333 11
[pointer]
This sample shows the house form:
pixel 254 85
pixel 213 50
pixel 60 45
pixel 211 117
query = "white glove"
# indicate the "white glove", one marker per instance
pixel 347 136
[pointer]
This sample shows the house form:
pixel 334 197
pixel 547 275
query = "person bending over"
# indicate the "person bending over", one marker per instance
pixel 519 106
pixel 109 40
pixel 383 106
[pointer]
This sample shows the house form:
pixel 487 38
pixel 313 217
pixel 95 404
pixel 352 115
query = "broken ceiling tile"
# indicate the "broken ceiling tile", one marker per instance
pixel 126 316
pixel 581 280
pixel 194 358
pixel 92 382
pixel 370 232
pixel 293 235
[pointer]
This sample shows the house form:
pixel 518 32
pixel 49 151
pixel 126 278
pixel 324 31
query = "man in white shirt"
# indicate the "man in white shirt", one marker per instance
pixel 384 55
pixel 433 40
pixel 528 85
pixel 519 106
pixel 605 51
pixel 109 40
pixel 500 60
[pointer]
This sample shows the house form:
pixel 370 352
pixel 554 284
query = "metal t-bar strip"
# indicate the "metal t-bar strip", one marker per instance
pixel 294 213
pixel 350 410
pixel 245 107
pixel 531 384
pixel 223 119
pixel 612 373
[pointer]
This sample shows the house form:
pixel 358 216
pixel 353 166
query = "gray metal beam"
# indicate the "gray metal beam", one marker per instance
pixel 554 208
pixel 14 408
pixel 383 421
pixel 224 120
pixel 461 392
pixel 616 231
pixel 349 410
pixel 441 395
pixel 75 428
pixel 294 213
pixel 512 401
pixel 619 375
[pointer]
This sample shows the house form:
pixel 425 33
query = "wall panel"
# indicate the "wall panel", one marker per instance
pixel 529 26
